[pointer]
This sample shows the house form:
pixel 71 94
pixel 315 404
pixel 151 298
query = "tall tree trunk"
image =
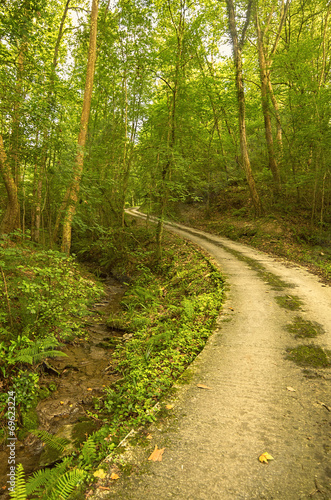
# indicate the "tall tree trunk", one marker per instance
pixel 10 167
pixel 166 169
pixel 279 134
pixel 266 110
pixel 237 50
pixel 11 217
pixel 41 169
pixel 79 162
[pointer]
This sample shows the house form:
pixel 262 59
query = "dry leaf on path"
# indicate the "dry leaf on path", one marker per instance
pixel 289 388
pixel 265 457
pixel 149 436
pixel 101 474
pixel 156 456
pixel 203 386
pixel 169 407
pixel 114 476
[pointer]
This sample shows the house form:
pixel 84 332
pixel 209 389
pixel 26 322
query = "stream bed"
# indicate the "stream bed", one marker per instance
pixel 76 381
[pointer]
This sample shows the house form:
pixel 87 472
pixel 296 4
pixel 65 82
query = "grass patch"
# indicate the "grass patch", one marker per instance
pixel 310 355
pixel 290 302
pixel 303 328
pixel 274 281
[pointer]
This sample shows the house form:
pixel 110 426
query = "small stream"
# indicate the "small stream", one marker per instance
pixel 78 379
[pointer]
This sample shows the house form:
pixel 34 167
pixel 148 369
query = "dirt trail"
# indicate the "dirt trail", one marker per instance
pixel 217 434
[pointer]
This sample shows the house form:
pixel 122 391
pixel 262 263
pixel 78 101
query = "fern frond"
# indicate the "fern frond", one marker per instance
pixel 44 481
pixel 41 349
pixel 67 483
pixel 36 483
pixel 20 488
pixel 56 443
pixel 89 451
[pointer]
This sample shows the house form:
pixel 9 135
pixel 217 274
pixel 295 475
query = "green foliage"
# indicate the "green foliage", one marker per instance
pixel 180 301
pixel 56 443
pixel 46 298
pixel 53 484
pixel 88 453
pixel 34 353
pixel 45 289
pixel 20 488
pixel 48 484
pixel 25 385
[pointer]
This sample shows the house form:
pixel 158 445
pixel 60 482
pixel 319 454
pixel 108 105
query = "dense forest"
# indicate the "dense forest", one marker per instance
pixel 189 110
pixel 149 103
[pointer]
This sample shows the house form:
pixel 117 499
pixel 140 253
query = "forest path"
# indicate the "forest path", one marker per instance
pixel 213 442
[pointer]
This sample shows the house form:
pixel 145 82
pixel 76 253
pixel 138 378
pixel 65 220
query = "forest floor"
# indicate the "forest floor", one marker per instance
pixel 262 384
pixel 285 233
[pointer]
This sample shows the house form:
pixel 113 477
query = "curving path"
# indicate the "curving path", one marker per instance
pixel 213 442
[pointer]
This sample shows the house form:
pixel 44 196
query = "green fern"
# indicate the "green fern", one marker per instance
pixel 20 487
pixel 89 452
pixel 56 443
pixel 37 483
pixel 54 484
pixel 67 483
pixel 43 481
pixel 41 349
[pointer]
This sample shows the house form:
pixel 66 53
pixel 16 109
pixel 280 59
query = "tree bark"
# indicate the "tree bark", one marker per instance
pixel 10 221
pixel 40 171
pixel 273 166
pixel 10 167
pixel 171 139
pixel 237 50
pixel 79 162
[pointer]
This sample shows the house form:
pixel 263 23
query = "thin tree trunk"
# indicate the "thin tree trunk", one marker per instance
pixel 40 171
pixel 166 170
pixel 279 135
pixel 79 163
pixel 265 109
pixel 11 217
pixel 10 167
pixel 237 48
pixel 284 11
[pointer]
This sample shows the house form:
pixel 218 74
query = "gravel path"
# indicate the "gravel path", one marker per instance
pixel 258 400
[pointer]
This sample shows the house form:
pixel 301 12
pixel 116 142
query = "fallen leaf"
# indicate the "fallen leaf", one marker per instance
pixel 265 457
pixel 156 456
pixel 289 388
pixel 203 386
pixel 61 403
pixel 89 389
pixel 114 476
pixel 103 488
pixel 169 407
pixel 101 474
pixel 149 436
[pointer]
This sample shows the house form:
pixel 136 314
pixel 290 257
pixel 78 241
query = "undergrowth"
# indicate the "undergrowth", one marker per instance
pixel 284 232
pixel 169 310
pixel 44 299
